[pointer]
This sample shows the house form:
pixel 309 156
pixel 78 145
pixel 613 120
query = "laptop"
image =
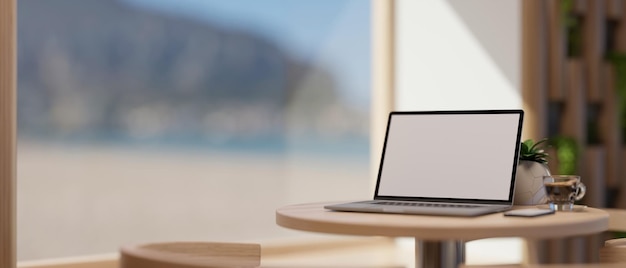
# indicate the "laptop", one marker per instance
pixel 451 163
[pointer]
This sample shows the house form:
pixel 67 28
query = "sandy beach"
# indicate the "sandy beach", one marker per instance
pixel 83 200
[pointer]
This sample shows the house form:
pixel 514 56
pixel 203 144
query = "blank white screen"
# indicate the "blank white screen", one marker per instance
pixel 467 156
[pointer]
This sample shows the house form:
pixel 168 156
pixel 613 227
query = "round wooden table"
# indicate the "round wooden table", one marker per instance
pixel 439 240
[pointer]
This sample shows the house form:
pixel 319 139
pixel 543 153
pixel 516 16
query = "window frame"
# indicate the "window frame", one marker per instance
pixel 383 77
pixel 8 84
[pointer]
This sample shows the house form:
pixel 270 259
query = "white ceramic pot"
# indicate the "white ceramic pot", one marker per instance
pixel 529 189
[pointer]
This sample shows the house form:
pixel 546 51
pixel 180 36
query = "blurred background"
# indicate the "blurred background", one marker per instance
pixel 144 120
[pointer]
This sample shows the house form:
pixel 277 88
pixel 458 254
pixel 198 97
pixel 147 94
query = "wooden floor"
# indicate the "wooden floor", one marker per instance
pixel 355 252
pixel 345 253
pixel 390 253
pixel 365 253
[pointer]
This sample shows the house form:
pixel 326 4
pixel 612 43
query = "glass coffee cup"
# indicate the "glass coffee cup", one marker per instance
pixel 563 190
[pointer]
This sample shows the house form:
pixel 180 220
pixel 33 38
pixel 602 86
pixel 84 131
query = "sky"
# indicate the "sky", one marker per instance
pixel 332 33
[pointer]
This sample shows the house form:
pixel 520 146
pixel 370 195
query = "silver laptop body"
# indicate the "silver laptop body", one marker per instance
pixel 453 163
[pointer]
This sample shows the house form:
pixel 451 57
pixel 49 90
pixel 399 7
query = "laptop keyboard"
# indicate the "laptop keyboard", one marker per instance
pixel 417 204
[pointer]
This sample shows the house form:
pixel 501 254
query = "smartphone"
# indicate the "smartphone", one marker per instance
pixel 529 212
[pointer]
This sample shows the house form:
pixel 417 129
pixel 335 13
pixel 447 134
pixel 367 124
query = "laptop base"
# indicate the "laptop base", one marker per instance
pixel 436 210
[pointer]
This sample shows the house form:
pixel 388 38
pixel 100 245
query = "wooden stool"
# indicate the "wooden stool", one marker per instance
pixel 614 251
pixel 190 255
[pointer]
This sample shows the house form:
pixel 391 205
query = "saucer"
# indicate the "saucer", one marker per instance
pixel 577 208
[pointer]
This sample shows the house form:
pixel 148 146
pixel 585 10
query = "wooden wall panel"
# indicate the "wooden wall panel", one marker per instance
pixel 610 135
pixel 7 132
pixel 585 102
pixel 621 200
pixel 576 249
pixel 593 175
pixel 580 6
pixel 556 51
pixel 613 9
pixel 534 68
pixel 574 108
pixel 593 47
pixel 594 243
pixel 620 32
pixel 582 100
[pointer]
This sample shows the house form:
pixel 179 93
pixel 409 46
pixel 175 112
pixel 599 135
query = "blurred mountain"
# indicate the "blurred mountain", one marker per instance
pixel 102 69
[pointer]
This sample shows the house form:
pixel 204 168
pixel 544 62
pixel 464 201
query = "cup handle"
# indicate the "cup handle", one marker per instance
pixel 581 190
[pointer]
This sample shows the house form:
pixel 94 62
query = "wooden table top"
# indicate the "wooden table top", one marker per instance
pixel 315 218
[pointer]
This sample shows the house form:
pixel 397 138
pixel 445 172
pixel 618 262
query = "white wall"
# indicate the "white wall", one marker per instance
pixel 458 54
pixel 461 54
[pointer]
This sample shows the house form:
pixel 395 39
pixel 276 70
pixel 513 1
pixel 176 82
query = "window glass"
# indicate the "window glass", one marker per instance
pixel 152 120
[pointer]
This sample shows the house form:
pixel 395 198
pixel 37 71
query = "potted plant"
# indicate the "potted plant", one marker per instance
pixel 531 168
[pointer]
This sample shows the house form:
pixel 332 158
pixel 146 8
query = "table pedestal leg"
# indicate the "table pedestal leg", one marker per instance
pixel 439 254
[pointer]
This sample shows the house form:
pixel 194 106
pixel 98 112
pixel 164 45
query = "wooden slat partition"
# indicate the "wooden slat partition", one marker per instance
pixel 595 172
pixel 575 95
pixel 576 249
pixel 556 50
pixel 622 187
pixel 578 91
pixel 575 107
pixel 620 32
pixel 580 6
pixel 556 250
pixel 609 134
pixel 613 9
pixel 7 132
pixel 534 67
pixel 593 47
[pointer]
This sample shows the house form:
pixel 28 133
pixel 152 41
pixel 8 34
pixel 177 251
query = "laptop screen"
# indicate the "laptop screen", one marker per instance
pixel 450 155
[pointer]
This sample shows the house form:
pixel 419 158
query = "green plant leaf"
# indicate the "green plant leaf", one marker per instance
pixel 528 143
pixel 533 151
pixel 536 145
